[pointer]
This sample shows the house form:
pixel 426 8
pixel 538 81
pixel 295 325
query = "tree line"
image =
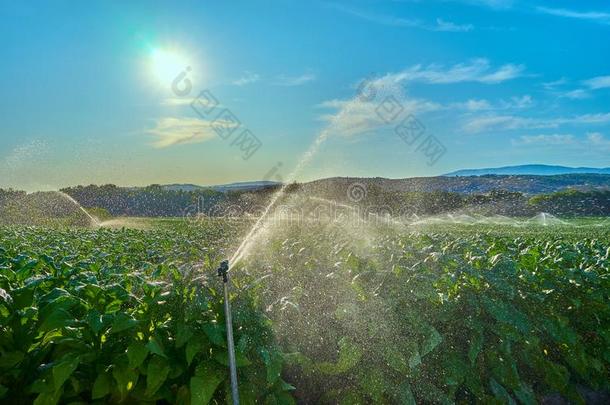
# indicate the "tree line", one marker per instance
pixel 158 201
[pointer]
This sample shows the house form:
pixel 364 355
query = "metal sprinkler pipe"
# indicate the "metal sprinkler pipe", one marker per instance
pixel 223 271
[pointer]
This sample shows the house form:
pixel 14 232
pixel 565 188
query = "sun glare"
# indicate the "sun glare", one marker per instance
pixel 167 64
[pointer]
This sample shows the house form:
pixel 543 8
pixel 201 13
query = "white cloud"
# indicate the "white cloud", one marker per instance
pixel 177 101
pixel 598 140
pixel 494 4
pixel 498 4
pixel 599 118
pixel 555 84
pixel 472 105
pixel 448 26
pixel 504 122
pixel 247 78
pixel 525 101
pixel 595 83
pixel 171 131
pixel 511 122
pixel 362 113
pixel 295 80
pixel 578 94
pixel 355 116
pixel 477 70
pixel 597 16
pixel 393 21
pixel 592 140
pixel 552 139
pixel 366 111
pixel 600 82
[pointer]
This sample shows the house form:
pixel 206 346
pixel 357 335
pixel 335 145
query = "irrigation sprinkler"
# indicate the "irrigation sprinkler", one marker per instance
pixel 223 271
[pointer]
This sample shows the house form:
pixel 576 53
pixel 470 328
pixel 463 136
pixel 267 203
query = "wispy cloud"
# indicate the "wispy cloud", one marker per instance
pixel 474 105
pixel 555 84
pixel 598 140
pixel 596 16
pixel 592 140
pixel 512 122
pixel 393 21
pixel 525 101
pixel 175 101
pixel 295 80
pixel 496 4
pixel 171 131
pixel 552 139
pixel 355 116
pixel 558 87
pixel 578 94
pixel 477 70
pixel 247 78
pixel 361 114
pixel 599 82
pixel 448 26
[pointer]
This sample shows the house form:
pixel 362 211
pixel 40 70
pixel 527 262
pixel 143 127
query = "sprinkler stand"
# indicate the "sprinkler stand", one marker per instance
pixel 223 271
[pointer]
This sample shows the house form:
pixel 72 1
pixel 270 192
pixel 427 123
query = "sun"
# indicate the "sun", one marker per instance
pixel 167 64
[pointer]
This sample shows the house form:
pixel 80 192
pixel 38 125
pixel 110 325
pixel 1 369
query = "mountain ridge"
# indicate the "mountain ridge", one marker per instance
pixel 236 186
pixel 529 169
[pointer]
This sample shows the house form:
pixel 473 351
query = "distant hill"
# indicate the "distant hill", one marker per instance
pixel 511 195
pixel 241 186
pixel 527 184
pixel 539 170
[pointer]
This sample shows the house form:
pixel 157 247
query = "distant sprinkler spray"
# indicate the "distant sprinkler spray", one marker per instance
pixel 223 271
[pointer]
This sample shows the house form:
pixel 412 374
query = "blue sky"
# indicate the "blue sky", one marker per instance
pixel 86 88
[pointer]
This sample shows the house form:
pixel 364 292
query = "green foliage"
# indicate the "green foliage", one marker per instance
pixel 505 316
pixel 115 316
pixel 374 316
pixel 572 202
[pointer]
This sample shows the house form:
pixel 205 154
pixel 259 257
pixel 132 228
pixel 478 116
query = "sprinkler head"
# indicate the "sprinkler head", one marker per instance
pixel 223 270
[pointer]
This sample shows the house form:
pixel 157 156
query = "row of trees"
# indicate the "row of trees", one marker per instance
pixel 158 201
pixel 574 203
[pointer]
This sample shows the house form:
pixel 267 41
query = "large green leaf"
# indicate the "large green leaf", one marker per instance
pixel 10 359
pixel 273 364
pixel 102 386
pixel 506 313
pixel 432 339
pixel 215 333
pixel 204 384
pixel 123 322
pixel 501 393
pixel 193 347
pixel 155 346
pixel 156 374
pixel 48 398
pixel 136 353
pixel 60 318
pixel 222 357
pixel 64 369
pixel 126 379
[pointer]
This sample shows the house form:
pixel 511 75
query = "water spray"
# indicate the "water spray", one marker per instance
pixel 223 271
